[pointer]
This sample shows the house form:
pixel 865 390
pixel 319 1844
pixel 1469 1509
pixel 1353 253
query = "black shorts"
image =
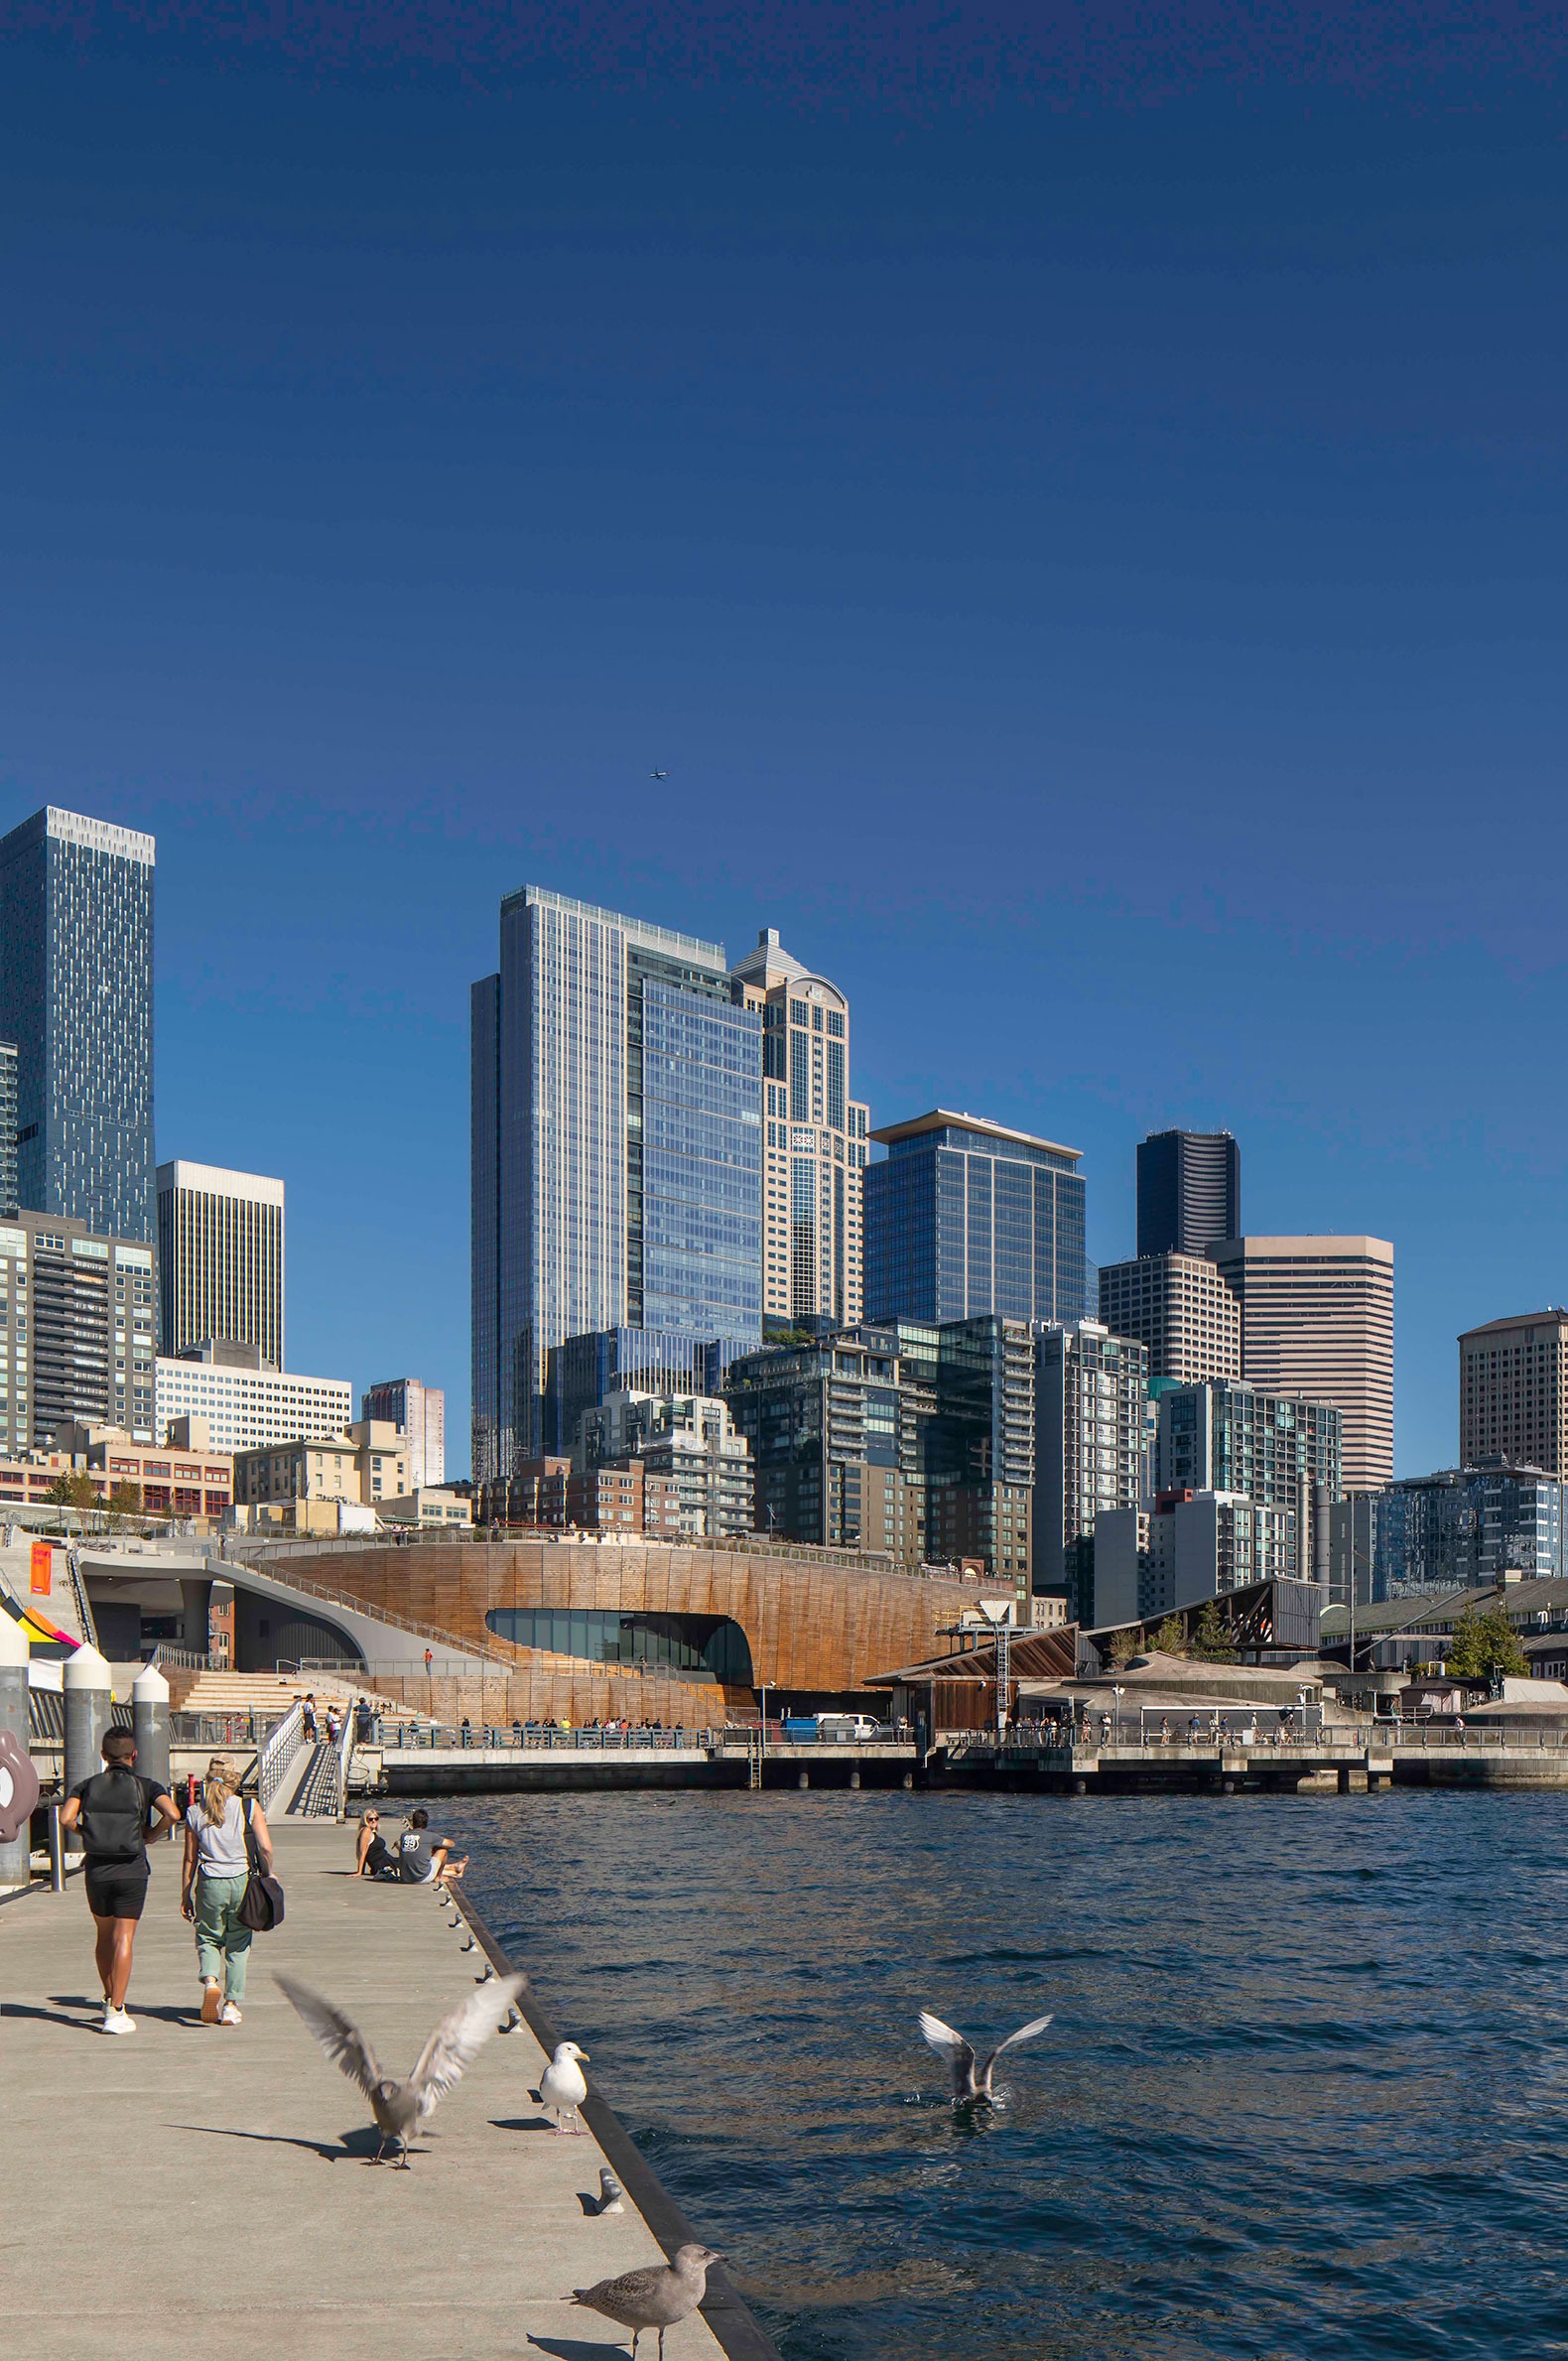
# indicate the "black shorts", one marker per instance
pixel 116 1889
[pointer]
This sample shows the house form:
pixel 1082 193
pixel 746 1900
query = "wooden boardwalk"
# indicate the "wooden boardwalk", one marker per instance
pixel 197 2190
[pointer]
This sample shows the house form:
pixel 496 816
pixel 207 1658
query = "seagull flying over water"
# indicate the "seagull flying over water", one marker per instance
pixel 970 2080
pixel 401 2107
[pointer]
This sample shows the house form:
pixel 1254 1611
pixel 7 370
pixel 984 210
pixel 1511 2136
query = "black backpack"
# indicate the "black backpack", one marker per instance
pixel 113 1819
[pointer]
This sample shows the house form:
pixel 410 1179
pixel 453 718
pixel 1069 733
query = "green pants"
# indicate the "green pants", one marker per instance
pixel 223 1943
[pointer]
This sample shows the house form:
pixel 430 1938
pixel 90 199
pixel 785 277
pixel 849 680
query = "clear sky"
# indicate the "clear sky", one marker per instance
pixel 1079 516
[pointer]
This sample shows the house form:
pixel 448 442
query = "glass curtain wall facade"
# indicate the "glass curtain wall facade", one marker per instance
pixel 616 1129
pixel 965 1217
pixel 701 1164
pixel 76 998
pixel 1453 1530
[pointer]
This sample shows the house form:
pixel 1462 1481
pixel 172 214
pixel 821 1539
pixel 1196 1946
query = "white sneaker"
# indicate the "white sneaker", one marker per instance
pixel 115 2021
pixel 231 2015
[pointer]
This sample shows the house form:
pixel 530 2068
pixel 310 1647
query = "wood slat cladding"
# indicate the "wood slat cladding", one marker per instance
pixel 812 1627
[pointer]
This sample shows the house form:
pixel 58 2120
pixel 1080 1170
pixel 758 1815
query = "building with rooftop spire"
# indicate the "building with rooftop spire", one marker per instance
pixel 814 1141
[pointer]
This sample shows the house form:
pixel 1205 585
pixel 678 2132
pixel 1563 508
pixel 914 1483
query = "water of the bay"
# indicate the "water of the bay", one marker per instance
pixel 1306 2093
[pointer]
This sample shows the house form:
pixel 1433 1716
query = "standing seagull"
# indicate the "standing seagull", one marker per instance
pixel 968 2080
pixel 401 2107
pixel 562 2085
pixel 658 2297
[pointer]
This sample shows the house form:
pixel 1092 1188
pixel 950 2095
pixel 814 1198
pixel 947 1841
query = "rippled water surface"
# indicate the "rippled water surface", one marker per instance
pixel 1306 2093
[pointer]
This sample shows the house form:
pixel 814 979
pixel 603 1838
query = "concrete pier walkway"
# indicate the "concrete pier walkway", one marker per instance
pixel 199 2190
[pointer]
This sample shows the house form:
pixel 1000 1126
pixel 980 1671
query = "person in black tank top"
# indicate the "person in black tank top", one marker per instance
pixel 112 1810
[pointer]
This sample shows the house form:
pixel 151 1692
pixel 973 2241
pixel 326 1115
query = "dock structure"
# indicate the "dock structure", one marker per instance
pixel 196 2188
pixel 1339 1764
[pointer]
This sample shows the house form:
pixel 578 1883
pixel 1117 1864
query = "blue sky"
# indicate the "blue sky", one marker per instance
pixel 1079 519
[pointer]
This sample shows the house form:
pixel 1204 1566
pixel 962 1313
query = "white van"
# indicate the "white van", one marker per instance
pixel 845 1729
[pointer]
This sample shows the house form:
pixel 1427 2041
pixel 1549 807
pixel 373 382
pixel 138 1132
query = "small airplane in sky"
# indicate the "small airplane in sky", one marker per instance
pixel 661 774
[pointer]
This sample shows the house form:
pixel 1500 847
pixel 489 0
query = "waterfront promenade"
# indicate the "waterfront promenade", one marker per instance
pixel 193 2189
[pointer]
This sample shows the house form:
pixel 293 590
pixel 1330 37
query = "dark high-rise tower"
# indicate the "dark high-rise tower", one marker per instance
pixel 76 998
pixel 1189 1191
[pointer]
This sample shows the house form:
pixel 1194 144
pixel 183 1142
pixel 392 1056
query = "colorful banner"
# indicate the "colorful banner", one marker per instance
pixel 43 1580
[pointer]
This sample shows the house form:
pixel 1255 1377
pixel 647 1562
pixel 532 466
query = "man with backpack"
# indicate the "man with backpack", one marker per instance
pixel 111 1810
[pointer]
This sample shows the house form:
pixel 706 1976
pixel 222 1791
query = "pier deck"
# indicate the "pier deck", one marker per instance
pixel 195 2189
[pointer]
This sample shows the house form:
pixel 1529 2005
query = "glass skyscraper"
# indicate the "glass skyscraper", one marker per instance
pixel 965 1217
pixel 617 1153
pixel 76 998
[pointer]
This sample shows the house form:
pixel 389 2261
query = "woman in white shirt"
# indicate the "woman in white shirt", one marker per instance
pixel 216 1872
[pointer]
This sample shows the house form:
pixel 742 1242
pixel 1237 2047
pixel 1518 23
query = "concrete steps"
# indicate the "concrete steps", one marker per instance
pixel 235 1693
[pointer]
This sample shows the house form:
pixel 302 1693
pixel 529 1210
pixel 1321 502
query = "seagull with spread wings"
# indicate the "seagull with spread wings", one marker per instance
pixel 972 2078
pixel 401 2107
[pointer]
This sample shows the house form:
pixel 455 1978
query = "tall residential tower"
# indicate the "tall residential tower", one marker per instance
pixel 617 1152
pixel 813 1140
pixel 76 998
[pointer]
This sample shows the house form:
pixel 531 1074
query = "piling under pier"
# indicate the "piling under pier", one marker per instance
pixel 198 2189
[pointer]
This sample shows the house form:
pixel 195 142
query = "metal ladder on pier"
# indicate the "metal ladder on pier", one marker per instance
pixel 754 1759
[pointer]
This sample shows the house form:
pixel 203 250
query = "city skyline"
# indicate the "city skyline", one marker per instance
pixel 714 957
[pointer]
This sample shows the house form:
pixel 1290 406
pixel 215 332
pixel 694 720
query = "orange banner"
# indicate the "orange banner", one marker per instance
pixel 43 1576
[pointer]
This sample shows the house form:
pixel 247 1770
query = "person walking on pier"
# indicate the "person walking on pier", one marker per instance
pixel 216 1872
pixel 111 1809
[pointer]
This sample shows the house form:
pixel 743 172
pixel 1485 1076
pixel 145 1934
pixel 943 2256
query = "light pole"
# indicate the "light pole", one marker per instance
pixel 1117 1693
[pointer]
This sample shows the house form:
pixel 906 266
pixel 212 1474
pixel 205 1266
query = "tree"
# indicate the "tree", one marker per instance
pixel 1485 1648
pixel 74 1490
pixel 1171 1638
pixel 1211 1643
pixel 125 1499
pixel 1125 1646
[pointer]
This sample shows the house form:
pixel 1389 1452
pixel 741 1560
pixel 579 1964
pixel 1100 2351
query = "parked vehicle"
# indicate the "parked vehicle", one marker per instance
pixel 846 1729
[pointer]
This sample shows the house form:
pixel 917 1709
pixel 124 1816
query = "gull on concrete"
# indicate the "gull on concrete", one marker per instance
pixel 400 2108
pixel 659 2297
pixel 972 2079
pixel 564 2087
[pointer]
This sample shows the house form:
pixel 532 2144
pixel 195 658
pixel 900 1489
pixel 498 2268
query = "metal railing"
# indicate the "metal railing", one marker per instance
pixel 79 1592
pixel 474 1651
pixel 183 1660
pixel 522 1738
pixel 276 1757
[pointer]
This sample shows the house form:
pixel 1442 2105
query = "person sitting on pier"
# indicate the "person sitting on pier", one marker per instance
pixel 373 1857
pixel 423 1858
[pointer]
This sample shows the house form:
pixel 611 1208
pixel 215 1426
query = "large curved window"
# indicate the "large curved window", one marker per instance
pixel 707 1643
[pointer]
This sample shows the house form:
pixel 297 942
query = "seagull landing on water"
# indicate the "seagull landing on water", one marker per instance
pixel 562 2087
pixel 401 2107
pixel 970 2080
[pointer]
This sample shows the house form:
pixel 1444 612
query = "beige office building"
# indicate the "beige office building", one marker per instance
pixel 220 1259
pixel 1514 1393
pixel 1317 1318
pixel 813 1140
pixel 1182 1308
